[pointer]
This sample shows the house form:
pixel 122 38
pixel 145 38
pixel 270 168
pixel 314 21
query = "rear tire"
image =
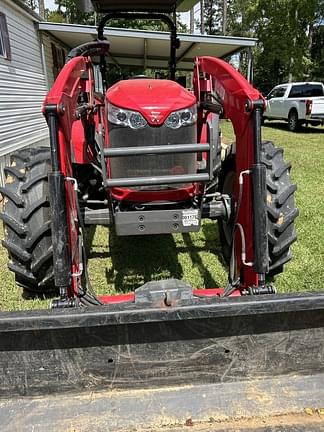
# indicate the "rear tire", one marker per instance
pixel 294 124
pixel 281 209
pixel 27 220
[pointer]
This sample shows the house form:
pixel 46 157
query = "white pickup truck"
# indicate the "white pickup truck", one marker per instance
pixel 298 103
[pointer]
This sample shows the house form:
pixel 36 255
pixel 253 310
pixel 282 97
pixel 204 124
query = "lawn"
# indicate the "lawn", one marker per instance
pixel 120 264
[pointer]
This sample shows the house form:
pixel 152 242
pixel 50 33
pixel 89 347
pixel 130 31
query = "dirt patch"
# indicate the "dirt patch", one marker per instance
pixel 307 423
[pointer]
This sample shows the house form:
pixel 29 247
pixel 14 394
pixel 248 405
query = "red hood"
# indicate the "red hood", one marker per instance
pixel 154 99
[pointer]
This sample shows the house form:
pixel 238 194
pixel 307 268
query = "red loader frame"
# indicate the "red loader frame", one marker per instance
pixel 240 103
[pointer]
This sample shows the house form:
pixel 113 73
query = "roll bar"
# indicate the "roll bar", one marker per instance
pixel 174 41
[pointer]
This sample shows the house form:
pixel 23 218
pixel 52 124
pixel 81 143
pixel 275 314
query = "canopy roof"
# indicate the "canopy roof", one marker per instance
pixel 167 6
pixel 147 48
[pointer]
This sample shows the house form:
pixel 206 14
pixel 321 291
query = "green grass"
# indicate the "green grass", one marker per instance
pixel 120 264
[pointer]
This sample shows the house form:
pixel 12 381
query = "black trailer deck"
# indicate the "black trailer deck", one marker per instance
pixel 136 366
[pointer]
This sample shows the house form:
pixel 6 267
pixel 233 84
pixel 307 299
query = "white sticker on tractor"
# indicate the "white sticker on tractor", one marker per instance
pixel 190 217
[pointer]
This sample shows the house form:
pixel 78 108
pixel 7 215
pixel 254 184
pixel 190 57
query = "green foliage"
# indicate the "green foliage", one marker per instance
pixel 32 4
pixel 67 11
pixel 55 16
pixel 212 17
pixel 317 53
pixel 290 35
pixel 283 28
pixel 151 25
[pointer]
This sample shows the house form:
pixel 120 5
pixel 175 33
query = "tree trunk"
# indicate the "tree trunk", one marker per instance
pixel 202 17
pixel 41 9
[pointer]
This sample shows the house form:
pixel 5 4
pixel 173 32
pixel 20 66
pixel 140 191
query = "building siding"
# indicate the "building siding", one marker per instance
pixel 23 86
pixel 47 42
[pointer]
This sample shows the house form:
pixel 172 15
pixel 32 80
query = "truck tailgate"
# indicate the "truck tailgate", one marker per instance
pixel 318 107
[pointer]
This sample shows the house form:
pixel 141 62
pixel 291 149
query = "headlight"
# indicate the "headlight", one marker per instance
pixel 183 117
pixel 123 117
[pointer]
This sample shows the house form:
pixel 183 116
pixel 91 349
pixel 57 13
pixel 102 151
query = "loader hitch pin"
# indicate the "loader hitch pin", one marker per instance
pixel 261 290
pixel 64 303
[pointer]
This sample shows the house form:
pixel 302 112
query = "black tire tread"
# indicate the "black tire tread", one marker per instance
pixel 21 271
pixel 283 196
pixel 281 229
pixel 28 185
pixel 36 265
pixel 280 207
pixel 14 197
pixel 16 226
pixel 14 172
pixel 42 202
pixel 281 170
pixel 27 220
pixel 14 249
pixel 30 243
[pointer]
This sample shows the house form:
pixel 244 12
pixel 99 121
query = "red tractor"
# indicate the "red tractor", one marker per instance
pixel 145 158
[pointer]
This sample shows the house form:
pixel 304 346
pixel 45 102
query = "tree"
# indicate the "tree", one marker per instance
pixel 285 30
pixel 32 4
pixel 68 11
pixel 317 53
pixel 212 17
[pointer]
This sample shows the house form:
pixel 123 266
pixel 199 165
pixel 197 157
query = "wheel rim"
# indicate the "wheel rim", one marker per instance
pixel 292 121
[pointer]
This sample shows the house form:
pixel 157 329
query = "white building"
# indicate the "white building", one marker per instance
pixel 26 72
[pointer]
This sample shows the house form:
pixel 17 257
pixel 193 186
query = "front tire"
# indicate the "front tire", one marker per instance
pixel 281 211
pixel 27 220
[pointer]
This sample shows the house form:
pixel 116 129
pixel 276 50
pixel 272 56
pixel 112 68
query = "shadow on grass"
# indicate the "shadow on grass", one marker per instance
pixel 90 244
pixel 136 260
pixel 206 275
pixel 212 240
pixel 140 259
pixel 284 127
pixel 30 295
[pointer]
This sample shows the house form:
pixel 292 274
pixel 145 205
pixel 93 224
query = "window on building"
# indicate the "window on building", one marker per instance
pixel 4 38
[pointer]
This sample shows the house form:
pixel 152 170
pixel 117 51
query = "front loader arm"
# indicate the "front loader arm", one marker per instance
pixel 71 90
pixel 217 79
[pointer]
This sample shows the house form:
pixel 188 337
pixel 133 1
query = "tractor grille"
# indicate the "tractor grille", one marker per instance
pixel 151 165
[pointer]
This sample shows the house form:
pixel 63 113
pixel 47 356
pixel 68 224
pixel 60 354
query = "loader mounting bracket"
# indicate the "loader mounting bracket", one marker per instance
pixel 163 293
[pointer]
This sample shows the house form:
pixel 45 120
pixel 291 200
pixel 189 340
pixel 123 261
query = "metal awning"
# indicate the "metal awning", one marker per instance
pixel 149 49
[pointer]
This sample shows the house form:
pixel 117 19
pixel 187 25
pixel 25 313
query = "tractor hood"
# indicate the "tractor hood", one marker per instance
pixel 154 99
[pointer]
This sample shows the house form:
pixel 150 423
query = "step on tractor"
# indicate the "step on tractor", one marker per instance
pixel 143 157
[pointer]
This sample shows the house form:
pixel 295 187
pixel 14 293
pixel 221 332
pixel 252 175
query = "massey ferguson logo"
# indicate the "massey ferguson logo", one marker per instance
pixel 155 116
